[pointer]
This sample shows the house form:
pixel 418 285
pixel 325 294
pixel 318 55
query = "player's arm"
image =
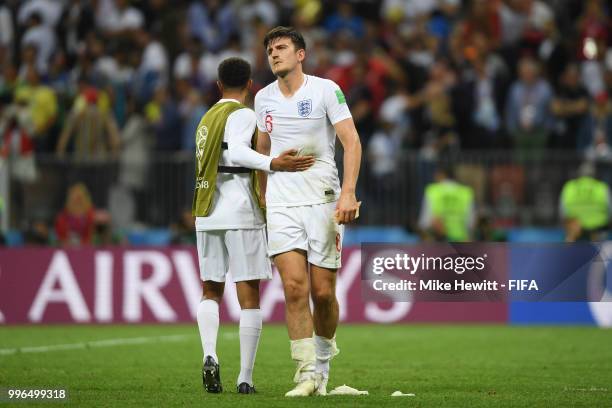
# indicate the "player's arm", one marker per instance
pixel 239 129
pixel 263 143
pixel 263 147
pixel 348 207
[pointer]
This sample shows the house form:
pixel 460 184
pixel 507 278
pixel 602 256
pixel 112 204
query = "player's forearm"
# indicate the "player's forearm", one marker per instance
pixel 263 143
pixel 352 163
pixel 262 178
pixel 247 157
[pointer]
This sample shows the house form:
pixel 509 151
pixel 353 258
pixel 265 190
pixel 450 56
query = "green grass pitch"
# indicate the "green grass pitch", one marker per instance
pixel 445 366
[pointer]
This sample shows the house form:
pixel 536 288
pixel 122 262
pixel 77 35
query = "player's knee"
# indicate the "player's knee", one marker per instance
pixel 323 296
pixel 212 295
pixel 295 292
pixel 249 303
pixel 213 290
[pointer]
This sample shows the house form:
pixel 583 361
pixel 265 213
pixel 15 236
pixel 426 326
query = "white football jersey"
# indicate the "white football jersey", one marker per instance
pixel 303 122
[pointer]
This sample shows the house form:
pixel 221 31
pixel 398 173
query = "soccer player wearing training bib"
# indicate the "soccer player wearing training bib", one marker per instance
pixel 306 211
pixel 229 223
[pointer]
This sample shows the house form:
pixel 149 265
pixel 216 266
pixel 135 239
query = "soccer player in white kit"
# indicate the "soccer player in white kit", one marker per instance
pixel 306 211
pixel 229 224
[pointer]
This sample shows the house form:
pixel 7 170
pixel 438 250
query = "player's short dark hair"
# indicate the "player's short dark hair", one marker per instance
pixel 285 32
pixel 234 72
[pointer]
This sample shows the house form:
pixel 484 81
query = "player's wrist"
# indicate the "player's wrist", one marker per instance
pixel 348 192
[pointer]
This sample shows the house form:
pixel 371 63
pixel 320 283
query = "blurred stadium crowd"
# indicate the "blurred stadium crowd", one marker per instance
pixel 108 93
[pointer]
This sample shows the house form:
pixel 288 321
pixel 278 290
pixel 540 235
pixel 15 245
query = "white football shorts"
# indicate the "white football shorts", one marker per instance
pixel 243 252
pixel 311 228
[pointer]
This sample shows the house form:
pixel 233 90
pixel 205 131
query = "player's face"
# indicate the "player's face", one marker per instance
pixel 283 57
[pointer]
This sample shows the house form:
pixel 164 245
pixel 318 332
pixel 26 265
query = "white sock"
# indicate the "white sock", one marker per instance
pixel 325 350
pixel 250 329
pixel 208 323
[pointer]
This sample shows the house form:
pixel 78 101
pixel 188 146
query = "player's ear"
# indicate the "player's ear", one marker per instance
pixel 220 86
pixel 301 54
pixel 249 85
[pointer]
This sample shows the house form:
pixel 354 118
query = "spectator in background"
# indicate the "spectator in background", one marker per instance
pixel 266 11
pixel 394 112
pixel 58 78
pixel 41 37
pixel 437 101
pixel 447 210
pixel 38 233
pixel 524 20
pixel 166 19
pixel 569 108
pixel 50 11
pixel 103 234
pixel 77 21
pixel 7 34
pixel 93 127
pixel 163 115
pixel 116 73
pixel 74 225
pixel 598 127
pixel 484 16
pixel 117 18
pixel 344 49
pixel 585 206
pixel 43 109
pixel 383 158
pixel 359 98
pixel 481 97
pixel 8 82
pixel 212 21
pixel 412 11
pixel 234 48
pixel 136 146
pixel 192 109
pixel 592 27
pixel 127 201
pixel 16 142
pixel 188 70
pixel 344 19
pixel 17 147
pixel 528 109
pixel 154 64
pixel 27 61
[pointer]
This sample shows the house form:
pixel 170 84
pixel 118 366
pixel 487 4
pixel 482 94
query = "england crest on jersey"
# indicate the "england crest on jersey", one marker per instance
pixel 304 107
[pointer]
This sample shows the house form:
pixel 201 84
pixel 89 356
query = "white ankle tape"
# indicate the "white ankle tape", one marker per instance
pixel 326 349
pixel 303 353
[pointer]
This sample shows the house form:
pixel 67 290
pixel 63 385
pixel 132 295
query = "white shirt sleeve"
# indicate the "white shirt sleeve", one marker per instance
pixel 260 125
pixel 239 130
pixel 335 103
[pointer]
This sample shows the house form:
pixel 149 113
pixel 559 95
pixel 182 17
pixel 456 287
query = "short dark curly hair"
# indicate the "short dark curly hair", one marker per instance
pixel 234 73
pixel 289 32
